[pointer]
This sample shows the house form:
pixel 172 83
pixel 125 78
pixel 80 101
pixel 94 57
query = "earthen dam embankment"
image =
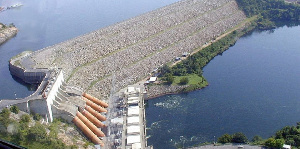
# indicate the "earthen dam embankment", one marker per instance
pixel 127 52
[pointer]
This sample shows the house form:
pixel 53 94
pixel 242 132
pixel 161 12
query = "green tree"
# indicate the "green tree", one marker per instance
pixel 165 69
pixel 4 117
pixel 11 25
pixel 184 80
pixel 298 125
pixel 169 78
pixel 37 132
pixel 25 118
pixel 226 138
pixel 37 117
pixel 21 136
pixel 270 142
pixel 274 143
pixel 257 139
pixel 14 109
pixel 239 138
pixel 291 135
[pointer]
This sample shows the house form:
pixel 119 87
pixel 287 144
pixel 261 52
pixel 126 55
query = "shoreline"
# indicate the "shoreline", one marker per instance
pixel 161 91
pixel 172 93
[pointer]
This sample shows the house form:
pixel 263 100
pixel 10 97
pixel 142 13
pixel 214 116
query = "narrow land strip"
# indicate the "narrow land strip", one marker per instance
pixel 7 32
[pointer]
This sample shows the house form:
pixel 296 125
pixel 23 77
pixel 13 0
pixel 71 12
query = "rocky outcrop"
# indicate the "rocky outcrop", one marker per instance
pixel 159 90
pixel 7 32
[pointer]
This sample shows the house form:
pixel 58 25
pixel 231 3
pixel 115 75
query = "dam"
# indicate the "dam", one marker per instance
pixel 107 60
pixel 134 48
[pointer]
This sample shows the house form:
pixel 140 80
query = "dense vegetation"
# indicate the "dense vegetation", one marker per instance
pixel 20 132
pixel 270 11
pixel 288 135
pixel 235 138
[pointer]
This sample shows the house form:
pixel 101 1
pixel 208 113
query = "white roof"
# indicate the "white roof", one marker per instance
pixel 117 120
pixel 152 79
pixel 133 139
pixel 133 100
pixel 286 146
pixel 133 129
pixel 136 146
pixel 133 110
pixel 130 89
pixel 133 119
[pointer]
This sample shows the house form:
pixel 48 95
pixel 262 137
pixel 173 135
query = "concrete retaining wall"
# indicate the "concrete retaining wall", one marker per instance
pixel 23 106
pixel 57 113
pixel 31 77
pixel 38 106
pixel 49 91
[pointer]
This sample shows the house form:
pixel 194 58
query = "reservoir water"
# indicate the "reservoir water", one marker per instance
pixel 47 22
pixel 254 88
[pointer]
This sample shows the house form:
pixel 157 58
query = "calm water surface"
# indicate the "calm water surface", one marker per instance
pixel 42 23
pixel 254 88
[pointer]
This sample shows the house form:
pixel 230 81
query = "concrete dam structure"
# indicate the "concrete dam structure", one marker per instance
pixel 109 59
pixel 55 99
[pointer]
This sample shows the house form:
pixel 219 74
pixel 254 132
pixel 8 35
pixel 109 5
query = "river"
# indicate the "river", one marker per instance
pixel 254 88
pixel 48 22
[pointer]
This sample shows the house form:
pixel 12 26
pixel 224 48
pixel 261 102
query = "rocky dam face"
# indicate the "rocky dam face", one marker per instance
pixel 126 52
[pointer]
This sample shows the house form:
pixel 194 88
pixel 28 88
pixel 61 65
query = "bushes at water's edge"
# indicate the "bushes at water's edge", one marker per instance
pixel 288 135
pixel 270 11
pixel 194 64
pixel 235 138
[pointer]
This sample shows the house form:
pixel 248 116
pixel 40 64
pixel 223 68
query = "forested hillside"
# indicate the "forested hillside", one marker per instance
pixel 272 9
pixel 270 12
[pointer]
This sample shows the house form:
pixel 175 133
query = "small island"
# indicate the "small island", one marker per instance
pixel 7 32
